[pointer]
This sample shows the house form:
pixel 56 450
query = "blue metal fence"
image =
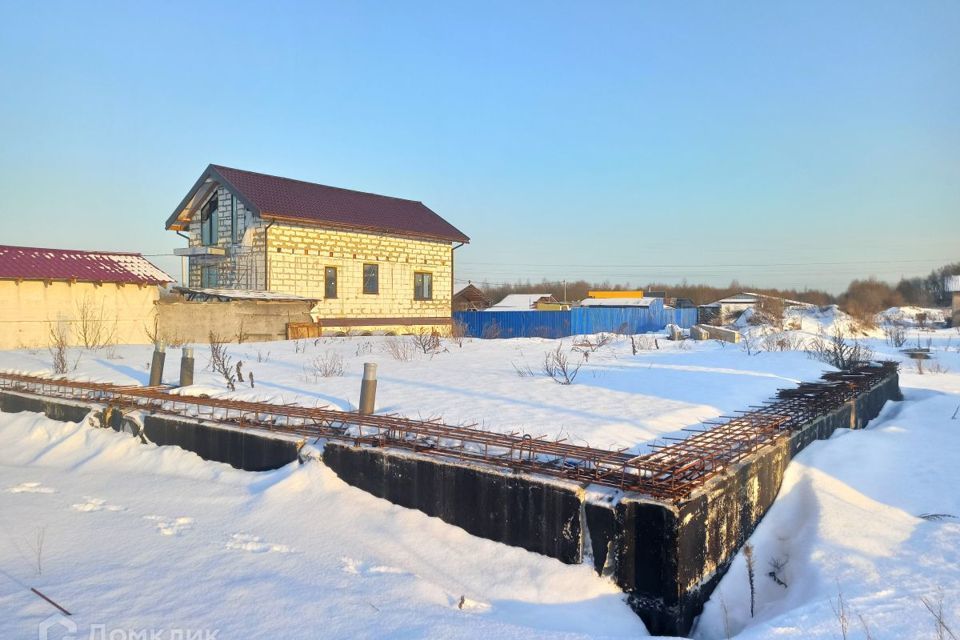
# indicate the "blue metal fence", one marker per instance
pixel 578 321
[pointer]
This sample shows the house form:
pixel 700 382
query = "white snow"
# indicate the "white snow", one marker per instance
pixel 138 536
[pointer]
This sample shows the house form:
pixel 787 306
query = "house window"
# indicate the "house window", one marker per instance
pixel 371 278
pixel 209 278
pixel 330 282
pixel 423 286
pixel 208 222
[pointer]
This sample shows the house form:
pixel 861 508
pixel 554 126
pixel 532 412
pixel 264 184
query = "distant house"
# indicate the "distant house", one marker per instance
pixel 92 298
pixel 526 302
pixel 469 298
pixel 729 308
pixel 642 303
pixel 952 284
pixel 374 263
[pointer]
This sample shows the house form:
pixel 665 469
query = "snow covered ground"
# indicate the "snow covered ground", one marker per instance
pixel 138 537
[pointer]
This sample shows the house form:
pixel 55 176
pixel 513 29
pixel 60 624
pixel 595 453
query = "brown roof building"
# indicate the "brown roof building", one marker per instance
pixel 375 263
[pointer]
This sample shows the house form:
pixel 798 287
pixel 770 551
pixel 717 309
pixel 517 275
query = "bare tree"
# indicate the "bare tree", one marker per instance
pixel 93 329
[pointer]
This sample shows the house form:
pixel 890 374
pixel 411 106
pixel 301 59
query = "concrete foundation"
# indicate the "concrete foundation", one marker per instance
pixel 247 450
pixel 667 557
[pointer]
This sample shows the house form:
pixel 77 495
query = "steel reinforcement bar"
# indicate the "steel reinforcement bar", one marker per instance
pixel 669 472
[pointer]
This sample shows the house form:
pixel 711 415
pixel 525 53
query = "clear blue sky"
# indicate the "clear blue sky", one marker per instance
pixel 810 141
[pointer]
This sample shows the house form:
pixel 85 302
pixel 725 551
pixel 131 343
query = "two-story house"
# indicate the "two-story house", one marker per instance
pixel 376 264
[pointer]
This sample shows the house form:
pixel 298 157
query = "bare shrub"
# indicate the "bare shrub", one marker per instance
pixel 94 331
pixel 399 349
pixel 782 341
pixel 364 348
pixel 156 337
pixel 777 565
pixel 840 611
pixel 937 367
pixel 837 350
pixel 523 370
pixel 325 365
pixel 242 336
pixel 936 610
pixel 458 331
pixel 263 357
pixel 750 342
pixel 40 535
pixel 895 335
pixel 221 362
pixel 57 345
pixel 589 344
pixel 642 343
pixel 427 341
pixel 557 365
pixel 299 346
pixel 491 331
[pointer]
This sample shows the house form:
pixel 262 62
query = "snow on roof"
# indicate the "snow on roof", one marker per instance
pixel 618 302
pixel 746 297
pixel 33 263
pixel 519 301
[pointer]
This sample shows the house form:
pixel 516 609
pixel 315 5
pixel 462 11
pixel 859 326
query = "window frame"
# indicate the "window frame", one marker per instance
pixel 209 222
pixel 326 283
pixel 376 279
pixel 209 273
pixel 424 278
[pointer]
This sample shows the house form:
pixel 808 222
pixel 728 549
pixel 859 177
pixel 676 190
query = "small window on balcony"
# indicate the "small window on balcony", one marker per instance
pixel 208 222
pixel 423 286
pixel 330 282
pixel 371 278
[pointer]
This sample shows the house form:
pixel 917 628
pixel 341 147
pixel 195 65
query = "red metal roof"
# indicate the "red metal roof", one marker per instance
pixel 276 197
pixel 34 263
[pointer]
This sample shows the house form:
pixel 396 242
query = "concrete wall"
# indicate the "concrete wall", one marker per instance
pixel 259 320
pixel 667 557
pixel 30 309
pixel 247 450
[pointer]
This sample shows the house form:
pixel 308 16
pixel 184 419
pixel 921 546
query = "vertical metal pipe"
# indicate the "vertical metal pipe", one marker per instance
pixel 368 388
pixel 186 367
pixel 156 366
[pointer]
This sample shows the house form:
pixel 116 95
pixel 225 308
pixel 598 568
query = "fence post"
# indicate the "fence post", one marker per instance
pixel 156 365
pixel 186 367
pixel 368 388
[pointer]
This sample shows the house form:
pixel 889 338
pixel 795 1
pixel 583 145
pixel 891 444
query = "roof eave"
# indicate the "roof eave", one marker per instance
pixel 266 215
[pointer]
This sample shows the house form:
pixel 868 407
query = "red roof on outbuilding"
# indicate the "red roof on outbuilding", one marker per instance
pixel 34 263
pixel 276 197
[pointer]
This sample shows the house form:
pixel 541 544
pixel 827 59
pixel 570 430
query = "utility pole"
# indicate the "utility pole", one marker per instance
pixel 564 291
